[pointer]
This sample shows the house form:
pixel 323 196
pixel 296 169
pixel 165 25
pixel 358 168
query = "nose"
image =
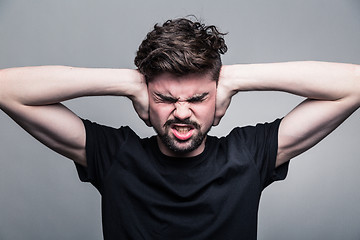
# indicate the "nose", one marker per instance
pixel 182 110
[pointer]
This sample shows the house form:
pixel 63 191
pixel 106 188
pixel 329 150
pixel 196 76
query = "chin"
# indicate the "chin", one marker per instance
pixel 182 147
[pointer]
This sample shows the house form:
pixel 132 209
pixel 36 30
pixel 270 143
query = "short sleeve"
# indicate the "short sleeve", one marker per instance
pixel 102 144
pixel 262 144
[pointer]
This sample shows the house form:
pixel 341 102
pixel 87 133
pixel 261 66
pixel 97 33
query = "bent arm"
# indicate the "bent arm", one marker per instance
pixel 32 95
pixel 332 91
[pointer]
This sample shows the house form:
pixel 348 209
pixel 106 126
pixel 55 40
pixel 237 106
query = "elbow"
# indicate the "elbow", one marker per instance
pixel 356 87
pixel 351 92
pixel 357 77
pixel 5 87
pixel 2 88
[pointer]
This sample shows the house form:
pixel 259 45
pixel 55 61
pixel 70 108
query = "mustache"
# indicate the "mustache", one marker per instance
pixel 168 123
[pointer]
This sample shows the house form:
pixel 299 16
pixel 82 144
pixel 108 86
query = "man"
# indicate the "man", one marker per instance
pixel 181 183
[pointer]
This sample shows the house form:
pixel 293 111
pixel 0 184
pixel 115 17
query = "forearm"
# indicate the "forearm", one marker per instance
pixel 52 84
pixel 316 80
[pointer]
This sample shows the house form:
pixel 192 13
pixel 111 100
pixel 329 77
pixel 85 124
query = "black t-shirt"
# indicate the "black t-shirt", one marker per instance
pixel 147 195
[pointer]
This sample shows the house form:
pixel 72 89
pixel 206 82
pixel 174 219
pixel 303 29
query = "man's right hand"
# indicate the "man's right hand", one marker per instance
pixel 140 97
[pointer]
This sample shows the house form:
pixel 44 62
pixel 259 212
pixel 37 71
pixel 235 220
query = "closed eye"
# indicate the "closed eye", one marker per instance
pixel 164 99
pixel 198 98
pixel 160 98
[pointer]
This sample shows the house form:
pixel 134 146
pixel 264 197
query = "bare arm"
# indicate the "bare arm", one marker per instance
pixel 32 96
pixel 332 91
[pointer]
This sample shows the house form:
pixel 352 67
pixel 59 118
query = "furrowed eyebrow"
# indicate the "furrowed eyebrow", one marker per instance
pixel 198 98
pixel 166 97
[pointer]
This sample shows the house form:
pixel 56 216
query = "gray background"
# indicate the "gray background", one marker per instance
pixel 40 194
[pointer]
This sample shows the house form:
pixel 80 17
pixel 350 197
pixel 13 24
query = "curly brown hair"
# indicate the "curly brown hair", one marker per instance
pixel 181 47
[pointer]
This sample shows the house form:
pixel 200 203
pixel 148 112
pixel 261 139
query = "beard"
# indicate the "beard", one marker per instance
pixel 182 146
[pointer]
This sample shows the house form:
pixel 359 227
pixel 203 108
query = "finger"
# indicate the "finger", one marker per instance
pixel 216 121
pixel 148 123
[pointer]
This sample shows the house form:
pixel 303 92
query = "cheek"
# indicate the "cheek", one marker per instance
pixel 205 113
pixel 159 113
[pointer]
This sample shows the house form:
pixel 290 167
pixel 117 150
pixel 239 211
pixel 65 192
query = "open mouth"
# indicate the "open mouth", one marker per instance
pixel 182 132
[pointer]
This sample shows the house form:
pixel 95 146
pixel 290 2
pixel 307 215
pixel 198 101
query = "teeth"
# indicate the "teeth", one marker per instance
pixel 182 129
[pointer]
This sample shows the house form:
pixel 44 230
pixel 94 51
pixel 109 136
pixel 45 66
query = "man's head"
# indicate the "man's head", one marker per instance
pixel 181 63
pixel 181 47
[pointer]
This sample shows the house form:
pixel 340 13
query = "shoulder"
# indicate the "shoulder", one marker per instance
pixel 91 125
pixel 100 132
pixel 251 132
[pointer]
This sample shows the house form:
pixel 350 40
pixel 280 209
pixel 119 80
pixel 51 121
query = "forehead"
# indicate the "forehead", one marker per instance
pixel 182 86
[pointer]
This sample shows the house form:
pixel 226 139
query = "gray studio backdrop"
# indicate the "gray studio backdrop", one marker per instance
pixel 40 194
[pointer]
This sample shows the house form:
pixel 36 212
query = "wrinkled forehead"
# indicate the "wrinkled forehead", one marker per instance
pixel 191 84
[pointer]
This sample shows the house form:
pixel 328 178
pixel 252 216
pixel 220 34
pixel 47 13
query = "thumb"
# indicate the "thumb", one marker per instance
pixel 216 121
